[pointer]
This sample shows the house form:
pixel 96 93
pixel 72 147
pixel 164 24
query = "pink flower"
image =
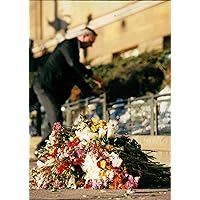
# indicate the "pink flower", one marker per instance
pixel 132 182
pixel 57 127
pixel 57 184
pixel 80 153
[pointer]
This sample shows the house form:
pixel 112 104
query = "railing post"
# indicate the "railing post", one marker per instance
pixel 104 108
pixel 85 110
pixel 152 115
pixel 156 116
pixel 68 116
pixel 130 124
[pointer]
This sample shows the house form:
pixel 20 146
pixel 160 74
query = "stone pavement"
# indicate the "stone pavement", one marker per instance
pixel 138 194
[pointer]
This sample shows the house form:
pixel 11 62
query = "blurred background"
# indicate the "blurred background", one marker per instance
pixel 132 54
pixel 128 27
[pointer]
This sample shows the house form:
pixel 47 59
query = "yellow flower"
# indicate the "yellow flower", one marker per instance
pixel 103 175
pixel 103 164
pixel 94 120
pixel 94 128
pixel 51 151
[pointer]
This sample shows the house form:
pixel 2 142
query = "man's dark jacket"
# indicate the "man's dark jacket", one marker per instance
pixel 63 70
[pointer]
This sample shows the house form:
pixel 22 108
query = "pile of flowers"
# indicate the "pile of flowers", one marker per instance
pixel 92 155
pixel 81 158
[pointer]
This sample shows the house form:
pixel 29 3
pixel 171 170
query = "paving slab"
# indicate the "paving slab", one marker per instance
pixel 137 194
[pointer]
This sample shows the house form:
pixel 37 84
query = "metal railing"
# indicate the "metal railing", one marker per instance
pixel 147 115
pixel 90 107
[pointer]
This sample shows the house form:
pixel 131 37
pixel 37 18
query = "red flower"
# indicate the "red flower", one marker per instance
pixel 88 184
pixel 54 153
pixel 62 168
pixel 73 143
pixel 77 161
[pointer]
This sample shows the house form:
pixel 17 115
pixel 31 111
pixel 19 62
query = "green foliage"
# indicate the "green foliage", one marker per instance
pixel 122 67
pixel 134 76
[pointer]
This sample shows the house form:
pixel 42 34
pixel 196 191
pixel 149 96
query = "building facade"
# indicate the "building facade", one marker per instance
pixel 130 27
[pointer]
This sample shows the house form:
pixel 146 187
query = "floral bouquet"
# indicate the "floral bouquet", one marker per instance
pixel 89 155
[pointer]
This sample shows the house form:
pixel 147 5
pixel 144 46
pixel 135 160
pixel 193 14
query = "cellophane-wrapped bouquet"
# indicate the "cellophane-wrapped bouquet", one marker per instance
pixel 88 155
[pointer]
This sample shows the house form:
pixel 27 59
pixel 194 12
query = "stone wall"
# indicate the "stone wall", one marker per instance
pixel 145 30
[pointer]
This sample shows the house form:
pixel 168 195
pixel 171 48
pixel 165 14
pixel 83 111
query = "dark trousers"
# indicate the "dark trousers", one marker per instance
pixel 35 105
pixel 52 111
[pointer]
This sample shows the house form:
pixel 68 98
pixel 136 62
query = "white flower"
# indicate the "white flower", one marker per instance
pixel 85 134
pixel 53 133
pixel 59 150
pixel 40 164
pixel 71 183
pixel 112 126
pixel 71 139
pixel 110 174
pixel 102 132
pixel 137 178
pixel 39 180
pixel 51 140
pixel 90 167
pixel 115 159
pixel 63 155
pixel 50 162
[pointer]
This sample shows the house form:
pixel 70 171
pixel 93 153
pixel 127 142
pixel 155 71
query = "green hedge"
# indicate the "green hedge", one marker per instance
pixel 134 76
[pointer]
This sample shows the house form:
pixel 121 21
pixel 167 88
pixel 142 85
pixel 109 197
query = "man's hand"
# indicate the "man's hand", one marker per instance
pixel 98 81
pixel 97 86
